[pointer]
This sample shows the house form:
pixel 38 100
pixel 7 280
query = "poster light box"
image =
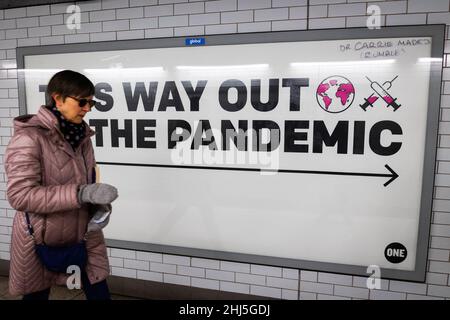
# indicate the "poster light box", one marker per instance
pixel 302 149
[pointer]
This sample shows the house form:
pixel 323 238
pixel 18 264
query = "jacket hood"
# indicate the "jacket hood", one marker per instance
pixel 44 119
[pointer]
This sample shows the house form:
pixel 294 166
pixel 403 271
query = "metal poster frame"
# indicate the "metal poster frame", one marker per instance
pixel 436 32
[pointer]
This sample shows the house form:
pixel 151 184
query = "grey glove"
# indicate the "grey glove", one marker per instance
pixel 97 193
pixel 100 218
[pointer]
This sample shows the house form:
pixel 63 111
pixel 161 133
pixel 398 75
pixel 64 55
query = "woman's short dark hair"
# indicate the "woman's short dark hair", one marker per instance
pixel 69 83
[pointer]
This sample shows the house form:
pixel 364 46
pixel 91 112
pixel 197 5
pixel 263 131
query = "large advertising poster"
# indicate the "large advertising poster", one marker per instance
pixel 303 153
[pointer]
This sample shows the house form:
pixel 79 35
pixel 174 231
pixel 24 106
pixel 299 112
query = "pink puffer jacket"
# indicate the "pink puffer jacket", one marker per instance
pixel 43 174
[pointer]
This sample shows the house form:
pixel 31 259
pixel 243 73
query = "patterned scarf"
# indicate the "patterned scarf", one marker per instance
pixel 73 132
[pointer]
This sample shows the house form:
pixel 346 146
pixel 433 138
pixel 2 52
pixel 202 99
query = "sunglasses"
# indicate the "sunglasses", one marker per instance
pixel 82 102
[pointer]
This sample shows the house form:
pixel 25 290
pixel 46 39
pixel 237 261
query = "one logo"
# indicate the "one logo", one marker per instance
pixel 395 252
pixel 335 94
pixel 380 91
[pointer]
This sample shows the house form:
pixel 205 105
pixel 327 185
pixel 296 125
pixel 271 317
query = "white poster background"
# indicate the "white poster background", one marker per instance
pixel 316 217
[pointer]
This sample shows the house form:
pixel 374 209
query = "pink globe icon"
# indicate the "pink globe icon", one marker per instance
pixel 335 94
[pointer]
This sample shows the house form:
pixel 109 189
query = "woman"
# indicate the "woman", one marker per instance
pixel 50 167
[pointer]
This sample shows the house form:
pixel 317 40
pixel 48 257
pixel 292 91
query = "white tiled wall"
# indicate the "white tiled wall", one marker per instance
pixel 106 20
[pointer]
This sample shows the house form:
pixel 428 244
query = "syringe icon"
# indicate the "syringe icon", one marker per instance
pixel 383 94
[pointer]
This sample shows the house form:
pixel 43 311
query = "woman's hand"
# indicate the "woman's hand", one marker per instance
pixel 100 217
pixel 97 193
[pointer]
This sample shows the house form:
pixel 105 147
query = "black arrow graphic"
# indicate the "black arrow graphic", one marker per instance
pixel 393 175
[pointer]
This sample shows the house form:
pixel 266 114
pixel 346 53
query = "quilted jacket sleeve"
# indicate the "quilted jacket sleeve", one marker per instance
pixel 24 187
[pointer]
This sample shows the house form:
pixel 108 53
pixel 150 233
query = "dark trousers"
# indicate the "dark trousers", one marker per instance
pixel 97 291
